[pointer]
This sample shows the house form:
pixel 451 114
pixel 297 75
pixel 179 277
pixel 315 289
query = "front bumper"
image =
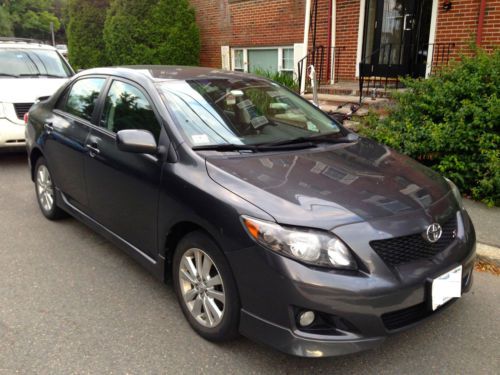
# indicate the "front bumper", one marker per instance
pixel 369 305
pixel 12 134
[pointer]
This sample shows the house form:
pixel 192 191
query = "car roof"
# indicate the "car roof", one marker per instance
pixel 20 43
pixel 159 73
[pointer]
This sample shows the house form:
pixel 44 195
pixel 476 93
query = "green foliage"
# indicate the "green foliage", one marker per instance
pixel 5 22
pixel 451 122
pixel 152 32
pixel 84 32
pixel 283 78
pixel 28 18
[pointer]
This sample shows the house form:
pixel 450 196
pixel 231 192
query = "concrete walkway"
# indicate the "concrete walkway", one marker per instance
pixel 487 224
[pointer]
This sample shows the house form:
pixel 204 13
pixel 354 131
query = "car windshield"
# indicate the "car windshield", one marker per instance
pixel 243 111
pixel 34 62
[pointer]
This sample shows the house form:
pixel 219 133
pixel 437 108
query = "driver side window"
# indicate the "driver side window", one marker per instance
pixel 126 107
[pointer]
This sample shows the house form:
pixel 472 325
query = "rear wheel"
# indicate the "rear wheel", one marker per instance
pixel 205 288
pixel 46 192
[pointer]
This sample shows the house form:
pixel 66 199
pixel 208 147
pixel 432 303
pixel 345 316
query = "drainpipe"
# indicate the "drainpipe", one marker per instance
pixel 480 24
pixel 307 21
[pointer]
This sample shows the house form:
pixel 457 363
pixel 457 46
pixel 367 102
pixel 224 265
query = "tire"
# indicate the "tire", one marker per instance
pixel 196 296
pixel 45 191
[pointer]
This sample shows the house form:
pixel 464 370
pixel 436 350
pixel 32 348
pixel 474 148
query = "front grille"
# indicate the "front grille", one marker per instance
pixel 400 250
pixel 22 109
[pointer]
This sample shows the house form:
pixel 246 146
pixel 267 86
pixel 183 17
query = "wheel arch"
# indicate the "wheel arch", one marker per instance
pixel 35 154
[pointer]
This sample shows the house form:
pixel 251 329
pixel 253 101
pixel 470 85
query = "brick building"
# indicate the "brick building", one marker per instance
pixel 345 38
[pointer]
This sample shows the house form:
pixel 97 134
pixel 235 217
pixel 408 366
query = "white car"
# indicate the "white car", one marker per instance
pixel 28 70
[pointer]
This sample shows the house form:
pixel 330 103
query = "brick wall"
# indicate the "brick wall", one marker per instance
pixel 459 25
pixel 247 23
pixel 346 38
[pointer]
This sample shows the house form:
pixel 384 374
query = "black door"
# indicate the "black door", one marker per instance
pixel 123 187
pixel 396 37
pixel 66 133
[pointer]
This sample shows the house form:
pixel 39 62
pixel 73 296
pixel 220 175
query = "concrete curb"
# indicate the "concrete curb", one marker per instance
pixel 490 254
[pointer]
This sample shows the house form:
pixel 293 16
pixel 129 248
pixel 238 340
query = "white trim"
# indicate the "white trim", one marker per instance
pixel 225 57
pixel 361 31
pixel 432 37
pixel 333 42
pixel 279 63
pixel 307 21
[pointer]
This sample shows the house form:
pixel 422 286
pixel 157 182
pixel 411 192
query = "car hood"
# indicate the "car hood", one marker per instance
pixel 331 185
pixel 26 90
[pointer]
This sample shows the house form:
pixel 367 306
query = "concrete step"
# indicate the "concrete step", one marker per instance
pixel 330 102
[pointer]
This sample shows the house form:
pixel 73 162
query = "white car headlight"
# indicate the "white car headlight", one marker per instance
pixel 456 193
pixel 308 246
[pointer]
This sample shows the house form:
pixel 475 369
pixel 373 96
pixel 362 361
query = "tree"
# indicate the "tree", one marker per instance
pixel 29 18
pixel 5 22
pixel 84 32
pixel 152 32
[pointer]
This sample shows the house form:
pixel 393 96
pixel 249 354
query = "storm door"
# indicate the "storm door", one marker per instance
pixel 396 36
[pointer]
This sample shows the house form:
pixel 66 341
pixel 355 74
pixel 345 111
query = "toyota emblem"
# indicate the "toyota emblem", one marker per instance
pixel 434 232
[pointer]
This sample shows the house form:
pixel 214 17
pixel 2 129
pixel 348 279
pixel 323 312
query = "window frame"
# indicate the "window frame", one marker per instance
pixel 102 102
pixel 63 100
pixel 245 50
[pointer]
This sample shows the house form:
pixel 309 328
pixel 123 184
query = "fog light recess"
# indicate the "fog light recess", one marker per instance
pixel 306 318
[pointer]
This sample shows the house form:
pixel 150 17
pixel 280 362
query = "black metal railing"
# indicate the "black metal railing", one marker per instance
pixel 384 66
pixel 316 58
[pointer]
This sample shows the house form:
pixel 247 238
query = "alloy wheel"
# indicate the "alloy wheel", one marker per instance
pixel 45 188
pixel 202 287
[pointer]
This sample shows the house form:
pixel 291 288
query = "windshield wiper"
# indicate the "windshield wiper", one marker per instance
pixel 8 75
pixel 254 148
pixel 318 138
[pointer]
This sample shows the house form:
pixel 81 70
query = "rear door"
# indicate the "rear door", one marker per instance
pixel 65 135
pixel 124 187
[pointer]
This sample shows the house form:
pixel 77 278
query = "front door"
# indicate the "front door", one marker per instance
pixel 396 38
pixel 123 187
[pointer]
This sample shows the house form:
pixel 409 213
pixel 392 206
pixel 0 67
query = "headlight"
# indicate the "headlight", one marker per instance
pixel 2 111
pixel 456 193
pixel 308 246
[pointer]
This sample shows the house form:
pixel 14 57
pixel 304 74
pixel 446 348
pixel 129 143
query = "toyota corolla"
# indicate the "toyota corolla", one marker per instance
pixel 272 220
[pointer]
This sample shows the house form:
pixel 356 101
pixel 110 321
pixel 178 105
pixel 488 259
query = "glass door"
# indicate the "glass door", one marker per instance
pixel 396 34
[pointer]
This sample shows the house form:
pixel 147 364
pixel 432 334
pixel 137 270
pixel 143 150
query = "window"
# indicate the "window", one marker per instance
pixel 271 59
pixel 287 63
pixel 238 60
pixel 32 62
pixel 126 107
pixel 83 96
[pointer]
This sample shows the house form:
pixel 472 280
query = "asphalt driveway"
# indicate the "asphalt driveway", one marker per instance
pixel 70 302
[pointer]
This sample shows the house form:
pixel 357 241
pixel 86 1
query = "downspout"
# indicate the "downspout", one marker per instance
pixel 329 52
pixel 307 21
pixel 480 24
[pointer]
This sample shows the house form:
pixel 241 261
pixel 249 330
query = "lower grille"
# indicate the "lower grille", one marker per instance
pixel 404 317
pixel 22 109
pixel 400 250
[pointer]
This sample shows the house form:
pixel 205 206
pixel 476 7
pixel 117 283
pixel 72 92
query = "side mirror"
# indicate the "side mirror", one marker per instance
pixel 137 141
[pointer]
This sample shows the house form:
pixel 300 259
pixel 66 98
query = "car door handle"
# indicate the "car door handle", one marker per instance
pixel 93 150
pixel 48 127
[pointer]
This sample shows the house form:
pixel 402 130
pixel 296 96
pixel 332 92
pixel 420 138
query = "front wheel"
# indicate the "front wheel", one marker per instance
pixel 46 192
pixel 205 288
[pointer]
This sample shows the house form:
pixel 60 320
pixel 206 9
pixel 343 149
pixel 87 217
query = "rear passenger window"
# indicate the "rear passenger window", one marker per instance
pixel 127 107
pixel 83 97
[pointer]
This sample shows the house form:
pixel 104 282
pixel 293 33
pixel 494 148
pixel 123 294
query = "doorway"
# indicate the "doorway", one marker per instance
pixel 396 38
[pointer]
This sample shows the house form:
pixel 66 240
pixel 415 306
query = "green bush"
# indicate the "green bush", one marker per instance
pixel 152 32
pixel 84 32
pixel 451 122
pixel 283 78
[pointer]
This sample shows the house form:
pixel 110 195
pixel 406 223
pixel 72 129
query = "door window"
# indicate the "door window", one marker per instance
pixel 127 107
pixel 83 97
